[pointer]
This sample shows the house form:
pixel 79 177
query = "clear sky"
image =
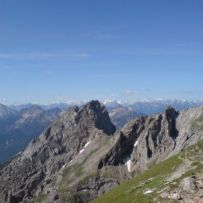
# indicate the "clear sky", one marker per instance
pixel 60 50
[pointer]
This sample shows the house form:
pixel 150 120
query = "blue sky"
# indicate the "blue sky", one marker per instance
pixel 97 49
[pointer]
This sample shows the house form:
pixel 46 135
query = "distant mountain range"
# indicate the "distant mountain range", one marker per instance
pixel 122 112
pixel 19 124
pixel 144 107
pixel 81 156
pixel 120 115
pixel 154 106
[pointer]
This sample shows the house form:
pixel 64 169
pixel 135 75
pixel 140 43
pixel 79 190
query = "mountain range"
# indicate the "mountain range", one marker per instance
pixel 81 156
pixel 19 124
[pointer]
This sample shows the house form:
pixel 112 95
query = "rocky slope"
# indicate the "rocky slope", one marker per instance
pixel 178 179
pixel 63 148
pixel 148 140
pixel 79 157
pixel 20 124
pixel 170 146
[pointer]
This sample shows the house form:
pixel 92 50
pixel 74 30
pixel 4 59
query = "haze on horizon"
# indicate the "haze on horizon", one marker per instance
pixel 52 51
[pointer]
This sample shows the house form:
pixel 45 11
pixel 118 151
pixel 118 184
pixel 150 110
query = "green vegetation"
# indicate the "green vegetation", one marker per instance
pixel 132 191
pixel 193 154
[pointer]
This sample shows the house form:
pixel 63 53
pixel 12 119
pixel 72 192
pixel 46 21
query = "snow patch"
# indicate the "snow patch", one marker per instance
pixel 82 150
pixel 148 192
pixel 87 144
pixel 128 163
pixel 63 166
pixel 136 143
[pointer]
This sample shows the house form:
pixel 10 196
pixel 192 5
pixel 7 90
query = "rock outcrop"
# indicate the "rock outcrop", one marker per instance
pixel 148 140
pixel 33 171
pixel 79 157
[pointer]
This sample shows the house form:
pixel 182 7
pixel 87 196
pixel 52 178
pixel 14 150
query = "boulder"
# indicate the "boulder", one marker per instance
pixel 188 184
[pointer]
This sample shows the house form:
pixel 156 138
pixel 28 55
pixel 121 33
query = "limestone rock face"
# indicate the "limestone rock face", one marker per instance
pixel 148 140
pixel 80 156
pixel 34 170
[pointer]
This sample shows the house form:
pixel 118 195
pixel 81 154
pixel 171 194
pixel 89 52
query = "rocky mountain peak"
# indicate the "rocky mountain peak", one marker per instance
pixel 94 104
pixel 95 113
pixel 170 112
pixel 65 140
pixel 72 129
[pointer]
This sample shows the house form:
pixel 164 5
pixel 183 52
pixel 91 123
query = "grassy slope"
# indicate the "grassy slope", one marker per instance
pixel 156 179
